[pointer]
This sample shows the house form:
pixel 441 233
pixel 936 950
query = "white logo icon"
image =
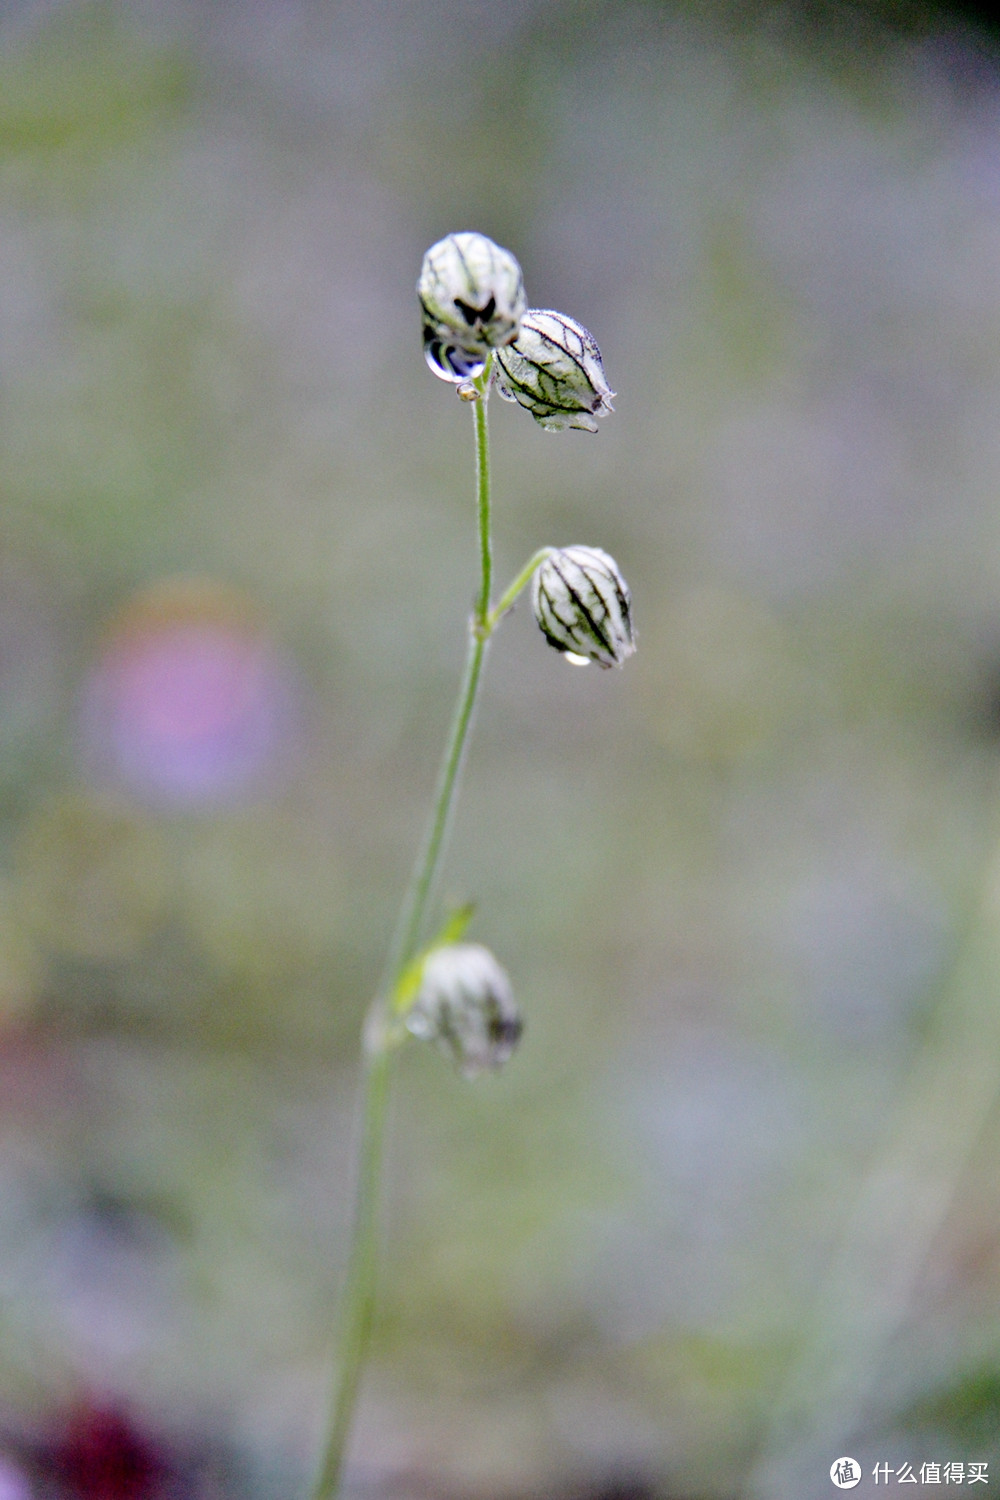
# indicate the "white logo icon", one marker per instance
pixel 845 1473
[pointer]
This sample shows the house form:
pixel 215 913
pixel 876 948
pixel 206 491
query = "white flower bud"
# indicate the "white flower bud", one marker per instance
pixel 465 1006
pixel 554 369
pixel 583 606
pixel 472 298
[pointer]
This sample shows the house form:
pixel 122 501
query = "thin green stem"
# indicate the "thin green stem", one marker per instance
pixel 358 1298
pixel 417 898
pixel 428 862
pixel 510 594
pixel 359 1288
pixel 483 503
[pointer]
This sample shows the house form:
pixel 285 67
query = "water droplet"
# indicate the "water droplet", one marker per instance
pixel 452 362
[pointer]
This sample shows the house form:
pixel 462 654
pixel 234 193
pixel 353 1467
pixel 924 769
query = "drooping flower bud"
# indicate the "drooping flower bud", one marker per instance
pixel 553 369
pixel 472 298
pixel 465 1007
pixel 583 606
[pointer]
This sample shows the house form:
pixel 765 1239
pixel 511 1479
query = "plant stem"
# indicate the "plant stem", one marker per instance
pixel 359 1289
pixel 428 861
pixel 510 594
pixel 381 1037
pixel 483 504
pixel 425 870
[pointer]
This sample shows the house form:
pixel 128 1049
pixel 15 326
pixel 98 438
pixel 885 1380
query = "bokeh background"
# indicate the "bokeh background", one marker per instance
pixel 733 1210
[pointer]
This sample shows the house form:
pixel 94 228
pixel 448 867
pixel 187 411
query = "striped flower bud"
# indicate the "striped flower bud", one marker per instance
pixel 583 606
pixel 472 299
pixel 554 369
pixel 465 1007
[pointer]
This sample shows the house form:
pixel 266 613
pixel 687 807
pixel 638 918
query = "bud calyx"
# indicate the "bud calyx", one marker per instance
pixel 465 1006
pixel 472 299
pixel 553 368
pixel 583 606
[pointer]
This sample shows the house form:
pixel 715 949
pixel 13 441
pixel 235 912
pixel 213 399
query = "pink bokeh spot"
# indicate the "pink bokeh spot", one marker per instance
pixel 190 702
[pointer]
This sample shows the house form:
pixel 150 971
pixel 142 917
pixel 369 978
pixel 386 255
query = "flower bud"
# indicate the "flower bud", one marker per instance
pixel 472 298
pixel 554 369
pixel 583 606
pixel 464 1005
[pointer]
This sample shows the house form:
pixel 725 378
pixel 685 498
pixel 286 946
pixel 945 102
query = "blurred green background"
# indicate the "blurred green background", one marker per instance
pixel 733 1209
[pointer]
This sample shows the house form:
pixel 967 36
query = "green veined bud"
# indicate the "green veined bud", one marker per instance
pixel 472 298
pixel 554 369
pixel 583 606
pixel 465 1006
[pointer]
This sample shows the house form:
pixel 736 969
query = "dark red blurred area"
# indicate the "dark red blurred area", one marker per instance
pixel 103 1455
pixel 100 1449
